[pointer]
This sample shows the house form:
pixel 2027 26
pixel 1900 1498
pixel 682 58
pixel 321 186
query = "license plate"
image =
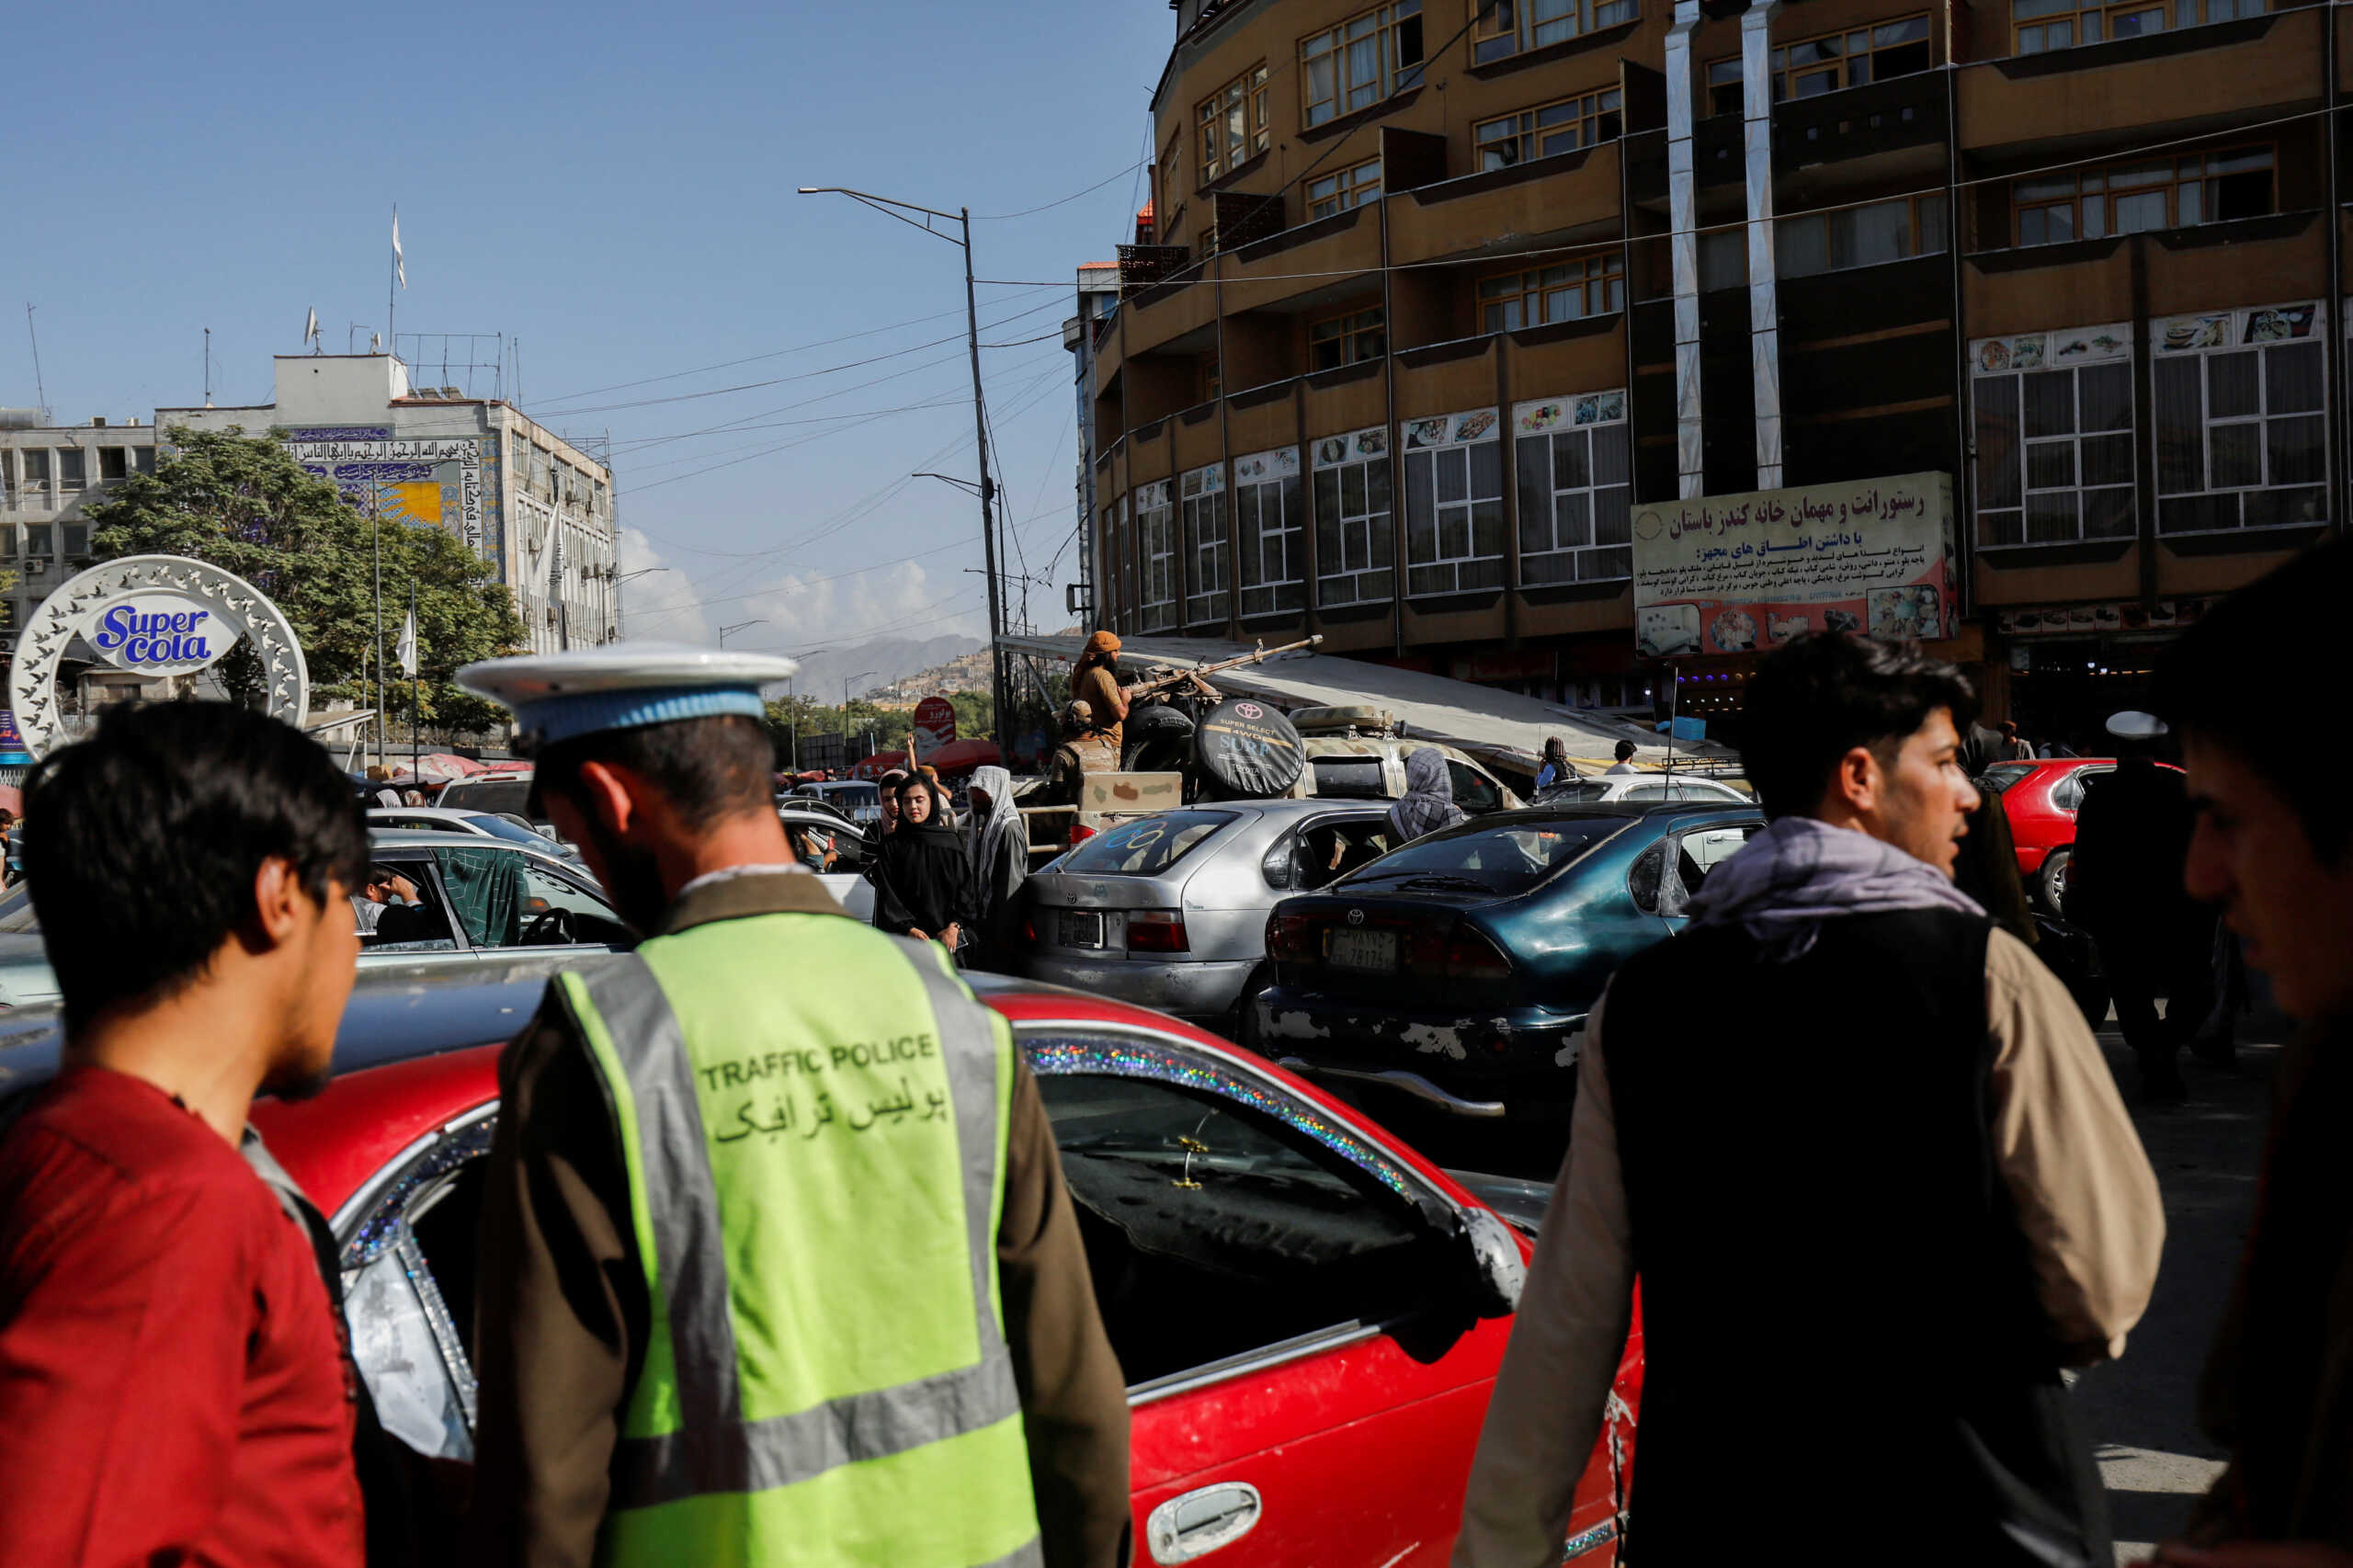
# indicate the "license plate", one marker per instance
pixel 1081 928
pixel 1362 950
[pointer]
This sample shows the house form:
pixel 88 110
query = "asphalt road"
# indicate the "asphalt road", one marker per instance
pixel 2142 1409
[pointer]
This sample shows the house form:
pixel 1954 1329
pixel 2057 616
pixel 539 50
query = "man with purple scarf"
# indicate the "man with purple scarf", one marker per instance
pixel 1871 1167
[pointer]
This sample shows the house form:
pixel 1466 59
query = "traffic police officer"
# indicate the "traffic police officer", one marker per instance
pixel 776 1262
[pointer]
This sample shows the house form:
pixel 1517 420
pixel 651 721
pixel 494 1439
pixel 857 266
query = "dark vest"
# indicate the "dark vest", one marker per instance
pixel 1842 1339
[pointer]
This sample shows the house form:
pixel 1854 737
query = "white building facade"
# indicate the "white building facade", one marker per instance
pixel 48 476
pixel 538 508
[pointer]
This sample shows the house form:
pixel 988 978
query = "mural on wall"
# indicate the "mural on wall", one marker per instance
pixel 436 481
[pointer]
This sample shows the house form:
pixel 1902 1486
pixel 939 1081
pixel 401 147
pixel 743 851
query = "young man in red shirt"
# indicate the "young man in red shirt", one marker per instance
pixel 171 1382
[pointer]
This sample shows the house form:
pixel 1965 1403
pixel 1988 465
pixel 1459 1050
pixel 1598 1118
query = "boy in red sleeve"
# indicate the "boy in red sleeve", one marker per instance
pixel 171 1384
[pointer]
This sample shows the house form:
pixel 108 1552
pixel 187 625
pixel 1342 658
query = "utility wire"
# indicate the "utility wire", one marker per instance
pixel 1073 195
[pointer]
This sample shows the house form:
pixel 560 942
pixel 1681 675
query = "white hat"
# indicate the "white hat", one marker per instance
pixel 2134 725
pixel 622 686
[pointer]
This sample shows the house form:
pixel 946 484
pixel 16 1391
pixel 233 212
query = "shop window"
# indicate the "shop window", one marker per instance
pixel 1355 545
pixel 2039 26
pixel 1512 27
pixel 1592 287
pixel 1232 123
pixel 1348 339
pixel 2242 431
pixel 2129 199
pixel 1575 490
pixel 1202 500
pixel 72 468
pixel 1332 193
pixel 1268 505
pixel 1157 548
pixel 1454 504
pixel 1860 236
pixel 1539 132
pixel 1361 62
pixel 1811 67
pixel 2054 447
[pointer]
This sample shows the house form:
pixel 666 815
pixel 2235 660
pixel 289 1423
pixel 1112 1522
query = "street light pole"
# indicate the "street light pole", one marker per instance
pixel 846 680
pixel 755 620
pixel 962 216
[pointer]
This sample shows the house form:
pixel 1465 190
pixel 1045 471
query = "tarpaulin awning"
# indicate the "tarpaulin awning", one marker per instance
pixel 962 756
pixel 1502 728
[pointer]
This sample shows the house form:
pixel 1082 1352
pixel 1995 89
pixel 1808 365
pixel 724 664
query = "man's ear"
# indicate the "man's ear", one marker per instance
pixel 1857 781
pixel 280 906
pixel 606 794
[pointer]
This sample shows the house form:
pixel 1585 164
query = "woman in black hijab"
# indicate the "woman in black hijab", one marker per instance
pixel 923 880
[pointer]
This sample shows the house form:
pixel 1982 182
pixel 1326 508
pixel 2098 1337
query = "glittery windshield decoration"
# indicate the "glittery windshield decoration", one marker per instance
pixel 1584 1542
pixel 387 1218
pixel 1054 1056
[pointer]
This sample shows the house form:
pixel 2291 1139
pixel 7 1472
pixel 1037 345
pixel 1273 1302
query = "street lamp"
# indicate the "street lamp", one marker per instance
pixel 622 577
pixel 643 571
pixel 755 620
pixel 986 489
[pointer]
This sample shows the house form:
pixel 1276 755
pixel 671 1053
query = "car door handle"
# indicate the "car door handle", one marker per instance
pixel 1202 1520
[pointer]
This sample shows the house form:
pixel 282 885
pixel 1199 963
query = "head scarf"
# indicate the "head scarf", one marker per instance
pixel 924 881
pixel 1798 872
pixel 1004 817
pixel 1103 642
pixel 1430 803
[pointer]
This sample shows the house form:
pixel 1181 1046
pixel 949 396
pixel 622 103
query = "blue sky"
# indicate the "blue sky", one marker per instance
pixel 613 184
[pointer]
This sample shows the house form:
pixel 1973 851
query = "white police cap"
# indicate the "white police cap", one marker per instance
pixel 2134 725
pixel 622 686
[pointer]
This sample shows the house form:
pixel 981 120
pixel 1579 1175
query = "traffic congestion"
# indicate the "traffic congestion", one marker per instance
pixel 1282 1202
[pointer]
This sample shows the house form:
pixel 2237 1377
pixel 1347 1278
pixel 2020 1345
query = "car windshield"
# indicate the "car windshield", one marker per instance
pixel 499 827
pixel 1507 860
pixel 850 796
pixel 1569 792
pixel 2002 775
pixel 1146 847
pixel 488 795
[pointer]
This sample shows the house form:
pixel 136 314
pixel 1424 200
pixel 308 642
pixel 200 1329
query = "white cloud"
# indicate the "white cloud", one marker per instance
pixel 662 604
pixel 796 611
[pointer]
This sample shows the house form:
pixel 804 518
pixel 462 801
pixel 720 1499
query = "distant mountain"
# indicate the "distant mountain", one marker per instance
pixel 872 666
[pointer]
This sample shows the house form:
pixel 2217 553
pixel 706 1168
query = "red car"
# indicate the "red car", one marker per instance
pixel 1309 1313
pixel 2041 799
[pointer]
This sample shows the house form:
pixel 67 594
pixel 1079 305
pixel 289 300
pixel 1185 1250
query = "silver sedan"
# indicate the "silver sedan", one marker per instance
pixel 1170 911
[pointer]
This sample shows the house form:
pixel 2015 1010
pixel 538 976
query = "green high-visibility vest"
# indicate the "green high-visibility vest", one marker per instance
pixel 814 1117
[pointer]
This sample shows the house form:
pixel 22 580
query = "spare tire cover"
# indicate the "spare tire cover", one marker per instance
pixel 1248 751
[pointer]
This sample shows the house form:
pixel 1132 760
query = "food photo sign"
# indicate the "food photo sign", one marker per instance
pixel 1742 574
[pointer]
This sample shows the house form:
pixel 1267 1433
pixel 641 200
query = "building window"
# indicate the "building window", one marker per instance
pixel 1593 287
pixel 73 469
pixel 1164 205
pixel 1201 502
pixel 77 539
pixel 1266 502
pixel 1513 26
pixel 1724 259
pixel 2038 26
pixel 1361 62
pixel 36 468
pixel 112 465
pixel 1207 383
pixel 7 542
pixel 1333 193
pixel 1811 67
pixel 1860 236
pixel 1575 490
pixel 1233 122
pixel 1539 132
pixel 1454 504
pixel 2242 426
pixel 1346 340
pixel 2055 444
pixel 1355 544
pixel 40 541
pixel 143 458
pixel 2129 199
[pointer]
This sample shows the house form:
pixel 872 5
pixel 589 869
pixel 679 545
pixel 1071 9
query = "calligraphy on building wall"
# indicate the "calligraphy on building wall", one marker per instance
pixel 429 481
pixel 1739 573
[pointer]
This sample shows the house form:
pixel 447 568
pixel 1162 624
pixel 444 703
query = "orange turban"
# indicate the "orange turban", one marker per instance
pixel 1103 642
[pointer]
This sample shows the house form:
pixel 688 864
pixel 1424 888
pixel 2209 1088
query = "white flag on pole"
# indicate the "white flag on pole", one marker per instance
pixel 406 652
pixel 400 267
pixel 311 328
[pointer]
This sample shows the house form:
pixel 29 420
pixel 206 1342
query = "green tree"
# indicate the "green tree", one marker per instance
pixel 244 504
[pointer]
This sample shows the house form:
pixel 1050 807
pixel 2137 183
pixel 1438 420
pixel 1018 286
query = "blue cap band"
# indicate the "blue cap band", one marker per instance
pixel 552 719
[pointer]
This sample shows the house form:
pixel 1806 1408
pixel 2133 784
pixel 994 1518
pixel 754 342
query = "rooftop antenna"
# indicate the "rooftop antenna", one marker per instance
pixel 39 390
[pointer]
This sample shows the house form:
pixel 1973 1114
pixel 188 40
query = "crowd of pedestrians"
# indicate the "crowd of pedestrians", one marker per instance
pixel 1872 1185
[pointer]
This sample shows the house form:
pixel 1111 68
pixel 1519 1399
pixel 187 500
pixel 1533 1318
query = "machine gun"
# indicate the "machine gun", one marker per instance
pixel 1194 679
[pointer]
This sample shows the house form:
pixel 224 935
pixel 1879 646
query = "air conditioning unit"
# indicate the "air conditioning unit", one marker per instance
pixel 36 568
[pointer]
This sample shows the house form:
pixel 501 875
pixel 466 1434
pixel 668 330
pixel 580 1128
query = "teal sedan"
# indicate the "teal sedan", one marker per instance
pixel 1458 970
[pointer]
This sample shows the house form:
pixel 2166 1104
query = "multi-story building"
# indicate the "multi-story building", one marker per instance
pixel 536 507
pixel 48 474
pixel 1436 297
pixel 1099 296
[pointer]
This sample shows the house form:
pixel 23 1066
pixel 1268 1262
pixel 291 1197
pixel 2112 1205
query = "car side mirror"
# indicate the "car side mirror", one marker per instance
pixel 1497 1268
